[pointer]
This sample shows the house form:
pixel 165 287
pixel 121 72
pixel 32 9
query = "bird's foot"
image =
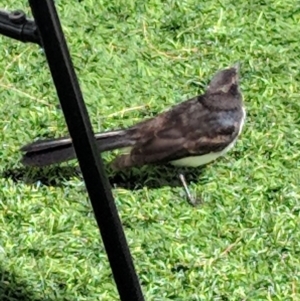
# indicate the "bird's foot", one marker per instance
pixel 193 201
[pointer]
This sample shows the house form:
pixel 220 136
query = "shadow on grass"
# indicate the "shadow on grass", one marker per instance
pixel 132 179
pixel 14 289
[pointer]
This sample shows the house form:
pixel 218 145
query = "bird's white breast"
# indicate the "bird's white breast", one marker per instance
pixel 195 161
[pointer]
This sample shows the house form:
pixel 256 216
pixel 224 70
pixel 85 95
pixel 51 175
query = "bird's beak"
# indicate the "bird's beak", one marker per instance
pixel 235 78
pixel 237 66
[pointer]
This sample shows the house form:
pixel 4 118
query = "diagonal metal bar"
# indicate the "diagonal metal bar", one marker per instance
pixel 90 162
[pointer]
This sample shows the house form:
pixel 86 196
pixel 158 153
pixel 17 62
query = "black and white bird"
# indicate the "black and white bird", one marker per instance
pixel 192 133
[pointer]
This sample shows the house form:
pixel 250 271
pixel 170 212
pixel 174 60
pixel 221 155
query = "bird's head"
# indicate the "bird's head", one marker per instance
pixel 225 80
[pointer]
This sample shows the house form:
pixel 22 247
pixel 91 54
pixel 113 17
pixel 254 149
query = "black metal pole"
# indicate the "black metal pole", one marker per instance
pixel 90 162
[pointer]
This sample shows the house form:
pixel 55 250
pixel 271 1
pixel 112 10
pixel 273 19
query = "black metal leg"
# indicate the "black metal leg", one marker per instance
pixel 51 37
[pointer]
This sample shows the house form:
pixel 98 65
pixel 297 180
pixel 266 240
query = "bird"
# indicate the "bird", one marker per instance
pixel 192 133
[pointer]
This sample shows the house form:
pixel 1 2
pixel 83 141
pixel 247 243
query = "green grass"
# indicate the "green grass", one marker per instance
pixel 135 59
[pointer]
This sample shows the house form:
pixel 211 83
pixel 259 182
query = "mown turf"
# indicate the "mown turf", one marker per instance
pixel 135 59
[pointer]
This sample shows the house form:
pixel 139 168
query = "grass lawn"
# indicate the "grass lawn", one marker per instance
pixel 135 59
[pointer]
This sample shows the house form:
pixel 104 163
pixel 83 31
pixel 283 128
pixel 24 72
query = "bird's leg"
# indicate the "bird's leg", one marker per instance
pixel 191 199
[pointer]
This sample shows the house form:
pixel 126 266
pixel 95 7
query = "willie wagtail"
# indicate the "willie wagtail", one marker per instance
pixel 192 133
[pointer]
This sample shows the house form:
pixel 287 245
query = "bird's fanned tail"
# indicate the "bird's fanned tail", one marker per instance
pixel 52 151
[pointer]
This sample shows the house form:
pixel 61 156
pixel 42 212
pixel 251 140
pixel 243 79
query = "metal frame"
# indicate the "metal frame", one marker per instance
pixel 46 30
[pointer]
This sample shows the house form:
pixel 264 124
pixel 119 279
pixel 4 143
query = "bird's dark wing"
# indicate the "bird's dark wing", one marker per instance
pixel 163 150
pixel 193 132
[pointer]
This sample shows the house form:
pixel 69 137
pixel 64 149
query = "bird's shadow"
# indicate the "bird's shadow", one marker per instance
pixel 131 179
pixel 12 288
